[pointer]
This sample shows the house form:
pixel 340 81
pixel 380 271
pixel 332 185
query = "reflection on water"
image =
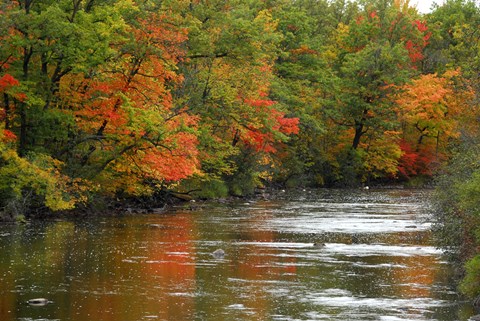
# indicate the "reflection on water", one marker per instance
pixel 377 263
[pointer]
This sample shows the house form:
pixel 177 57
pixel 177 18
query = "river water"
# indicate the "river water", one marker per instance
pixel 377 263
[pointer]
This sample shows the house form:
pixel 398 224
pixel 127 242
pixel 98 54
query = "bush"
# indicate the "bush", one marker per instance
pixel 456 205
pixel 34 182
pixel 204 187
pixel 470 284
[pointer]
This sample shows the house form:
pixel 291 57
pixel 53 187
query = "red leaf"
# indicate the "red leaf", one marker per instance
pixel 7 81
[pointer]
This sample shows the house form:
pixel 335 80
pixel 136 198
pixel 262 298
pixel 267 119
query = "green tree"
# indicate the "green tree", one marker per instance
pixel 457 228
pixel 304 83
pixel 380 50
pixel 46 41
pixel 41 43
pixel 457 220
pixel 227 76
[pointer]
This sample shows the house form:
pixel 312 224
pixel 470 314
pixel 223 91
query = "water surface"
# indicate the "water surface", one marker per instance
pixel 378 262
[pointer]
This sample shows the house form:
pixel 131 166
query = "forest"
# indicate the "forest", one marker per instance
pixel 107 101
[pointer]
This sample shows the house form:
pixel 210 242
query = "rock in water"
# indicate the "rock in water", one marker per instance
pixel 38 302
pixel 218 254
pixel 475 318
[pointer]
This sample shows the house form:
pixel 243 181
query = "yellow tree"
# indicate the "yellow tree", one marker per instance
pixel 430 109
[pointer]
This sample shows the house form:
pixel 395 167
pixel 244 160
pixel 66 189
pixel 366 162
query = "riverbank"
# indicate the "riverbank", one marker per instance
pixel 163 202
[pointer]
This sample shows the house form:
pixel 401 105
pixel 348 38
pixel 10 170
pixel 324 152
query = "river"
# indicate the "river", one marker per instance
pixel 377 262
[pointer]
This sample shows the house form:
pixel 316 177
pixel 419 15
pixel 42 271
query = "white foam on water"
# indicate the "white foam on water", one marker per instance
pixel 346 249
pixel 352 217
pixel 392 318
pixel 345 224
pixel 183 294
pixel 382 249
pixel 237 306
pixel 348 301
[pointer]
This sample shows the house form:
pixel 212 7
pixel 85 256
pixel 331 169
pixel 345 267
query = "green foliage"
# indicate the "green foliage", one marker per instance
pixel 351 167
pixel 247 176
pixel 470 284
pixel 454 43
pixel 469 194
pixel 303 86
pixel 455 204
pixel 213 189
pixel 204 187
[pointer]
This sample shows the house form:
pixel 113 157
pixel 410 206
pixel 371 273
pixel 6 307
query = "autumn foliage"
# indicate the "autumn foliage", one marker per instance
pixel 129 98
pixel 430 109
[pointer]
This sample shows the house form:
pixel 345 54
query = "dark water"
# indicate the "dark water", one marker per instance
pixel 377 263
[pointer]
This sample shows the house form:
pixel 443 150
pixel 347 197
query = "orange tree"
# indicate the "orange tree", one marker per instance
pixel 431 109
pixel 130 133
pixel 86 91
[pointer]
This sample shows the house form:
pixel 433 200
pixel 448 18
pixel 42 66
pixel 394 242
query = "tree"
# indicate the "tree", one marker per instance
pixel 430 109
pixel 304 84
pixel 381 50
pixel 91 87
pixel 130 131
pixel 228 72
pixel 455 45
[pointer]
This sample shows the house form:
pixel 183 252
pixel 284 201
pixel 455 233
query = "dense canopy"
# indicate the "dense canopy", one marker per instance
pixel 121 98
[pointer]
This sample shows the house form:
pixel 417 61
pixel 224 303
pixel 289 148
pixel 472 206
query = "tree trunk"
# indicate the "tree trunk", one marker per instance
pixel 22 146
pixel 6 102
pixel 358 134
